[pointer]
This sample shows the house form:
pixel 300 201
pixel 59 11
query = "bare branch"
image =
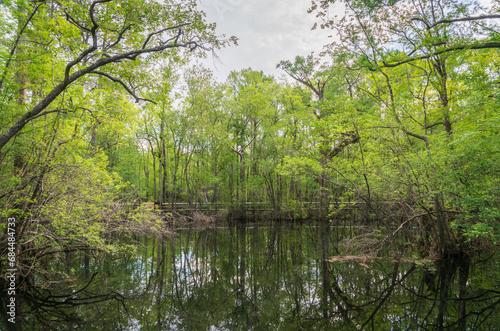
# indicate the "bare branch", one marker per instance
pixel 486 45
pixel 163 30
pixel 253 138
pixel 409 220
pixel 434 124
pixel 415 135
pixel 234 150
pixel 74 22
pixel 117 80
pixel 120 36
pixel 59 110
pixel 421 20
pixel 463 19
pixel 241 151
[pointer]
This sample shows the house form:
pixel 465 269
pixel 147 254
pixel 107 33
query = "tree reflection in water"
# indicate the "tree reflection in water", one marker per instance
pixel 275 278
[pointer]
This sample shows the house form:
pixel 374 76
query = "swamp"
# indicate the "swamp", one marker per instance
pixel 351 187
pixel 274 277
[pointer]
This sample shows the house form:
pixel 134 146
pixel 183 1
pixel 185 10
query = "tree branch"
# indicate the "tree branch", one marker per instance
pixel 92 48
pixel 486 45
pixel 161 31
pixel 421 20
pixel 70 78
pixel 392 105
pixel 463 19
pixel 120 35
pixel 117 80
pixel 48 112
pixel 91 13
pixel 352 139
pixel 74 22
pixel 434 124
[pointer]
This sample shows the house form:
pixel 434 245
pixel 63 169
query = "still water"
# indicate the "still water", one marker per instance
pixel 274 278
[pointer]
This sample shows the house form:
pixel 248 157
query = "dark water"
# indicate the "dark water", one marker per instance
pixel 273 278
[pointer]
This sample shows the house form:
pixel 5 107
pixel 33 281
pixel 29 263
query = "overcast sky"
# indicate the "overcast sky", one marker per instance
pixel 268 31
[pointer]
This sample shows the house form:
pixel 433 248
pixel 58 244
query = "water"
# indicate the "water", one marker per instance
pixel 271 278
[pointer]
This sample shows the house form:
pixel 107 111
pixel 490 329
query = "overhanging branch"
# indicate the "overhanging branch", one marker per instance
pixel 69 77
pixel 463 19
pixel 117 80
pixel 151 35
pixel 486 45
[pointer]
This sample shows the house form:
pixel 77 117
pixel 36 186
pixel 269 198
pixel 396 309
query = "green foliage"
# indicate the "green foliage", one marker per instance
pixel 74 170
pixel 403 126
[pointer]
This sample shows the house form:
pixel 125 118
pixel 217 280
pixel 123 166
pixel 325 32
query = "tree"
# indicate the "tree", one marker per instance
pixel 101 38
pixel 322 83
pixel 59 73
pixel 413 56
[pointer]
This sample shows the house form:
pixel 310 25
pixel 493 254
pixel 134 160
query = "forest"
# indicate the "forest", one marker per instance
pixel 105 109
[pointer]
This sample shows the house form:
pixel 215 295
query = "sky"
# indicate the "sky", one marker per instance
pixel 268 31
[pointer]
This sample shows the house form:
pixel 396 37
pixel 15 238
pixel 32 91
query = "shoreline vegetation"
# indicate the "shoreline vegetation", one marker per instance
pixel 370 238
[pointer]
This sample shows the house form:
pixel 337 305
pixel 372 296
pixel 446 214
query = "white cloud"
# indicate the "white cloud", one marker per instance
pixel 268 30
